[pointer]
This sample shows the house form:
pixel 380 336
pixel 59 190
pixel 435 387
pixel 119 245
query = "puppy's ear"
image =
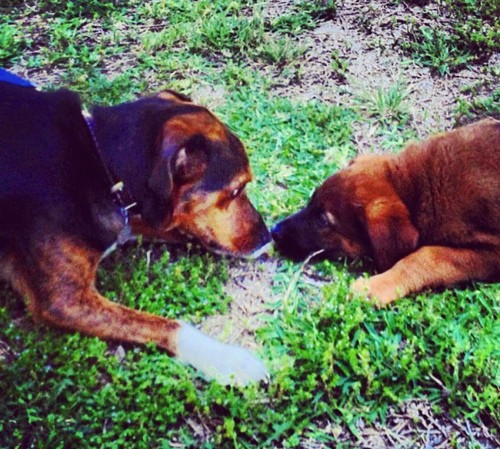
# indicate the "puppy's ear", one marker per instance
pixel 391 231
pixel 178 162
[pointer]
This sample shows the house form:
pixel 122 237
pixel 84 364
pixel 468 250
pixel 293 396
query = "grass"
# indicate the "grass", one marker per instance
pixel 313 135
pixel 339 66
pixel 335 363
pixel 485 101
pixel 304 15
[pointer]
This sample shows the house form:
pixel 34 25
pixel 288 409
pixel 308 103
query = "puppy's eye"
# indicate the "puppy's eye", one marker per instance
pixel 327 219
pixel 323 221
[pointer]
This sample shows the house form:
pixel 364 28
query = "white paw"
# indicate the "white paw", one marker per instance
pixel 225 363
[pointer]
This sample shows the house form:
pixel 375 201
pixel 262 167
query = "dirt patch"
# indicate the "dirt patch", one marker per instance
pixel 366 37
pixel 412 425
pixel 250 288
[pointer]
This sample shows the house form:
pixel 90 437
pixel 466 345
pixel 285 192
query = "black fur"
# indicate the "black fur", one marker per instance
pixel 51 178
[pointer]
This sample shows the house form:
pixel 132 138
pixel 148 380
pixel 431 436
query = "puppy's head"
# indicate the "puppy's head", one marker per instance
pixel 196 185
pixel 354 213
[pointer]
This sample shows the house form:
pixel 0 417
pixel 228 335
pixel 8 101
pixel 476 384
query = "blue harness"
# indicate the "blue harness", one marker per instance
pixel 8 77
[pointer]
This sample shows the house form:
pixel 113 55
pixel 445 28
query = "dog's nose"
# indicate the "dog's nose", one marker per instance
pixel 265 237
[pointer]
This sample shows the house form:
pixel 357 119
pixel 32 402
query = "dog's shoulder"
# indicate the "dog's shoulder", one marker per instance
pixel 44 142
pixel 48 164
pixel 36 125
pixel 20 105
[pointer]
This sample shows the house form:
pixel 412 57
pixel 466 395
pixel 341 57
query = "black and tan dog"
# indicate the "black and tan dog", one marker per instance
pixel 428 217
pixel 176 170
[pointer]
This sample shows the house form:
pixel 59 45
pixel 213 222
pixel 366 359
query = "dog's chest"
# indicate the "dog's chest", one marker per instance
pixel 114 225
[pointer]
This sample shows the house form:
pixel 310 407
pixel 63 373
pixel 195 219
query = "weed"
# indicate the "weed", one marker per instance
pixel 438 49
pixel 387 105
pixel 477 25
pixel 230 34
pixel 339 66
pixel 240 75
pixel 282 51
pixel 12 41
pixel 304 16
pixel 79 8
pixel 368 16
pixel 479 107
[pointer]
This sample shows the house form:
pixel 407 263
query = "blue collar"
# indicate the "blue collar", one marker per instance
pixel 9 77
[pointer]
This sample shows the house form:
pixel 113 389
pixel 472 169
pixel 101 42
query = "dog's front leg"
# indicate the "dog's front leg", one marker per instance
pixel 59 283
pixel 429 266
pixel 140 228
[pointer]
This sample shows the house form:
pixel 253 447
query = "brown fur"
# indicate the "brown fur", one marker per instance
pixel 428 217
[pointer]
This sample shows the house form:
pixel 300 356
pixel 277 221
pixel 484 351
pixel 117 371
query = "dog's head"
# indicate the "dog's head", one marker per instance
pixel 354 213
pixel 196 180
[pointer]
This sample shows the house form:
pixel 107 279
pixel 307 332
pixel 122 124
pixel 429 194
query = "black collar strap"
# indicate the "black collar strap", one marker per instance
pixel 117 188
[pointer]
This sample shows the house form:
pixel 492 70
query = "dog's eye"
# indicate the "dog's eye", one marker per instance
pixel 236 192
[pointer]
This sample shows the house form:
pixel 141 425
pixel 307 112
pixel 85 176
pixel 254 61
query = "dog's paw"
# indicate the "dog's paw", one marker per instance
pixel 225 363
pixel 376 289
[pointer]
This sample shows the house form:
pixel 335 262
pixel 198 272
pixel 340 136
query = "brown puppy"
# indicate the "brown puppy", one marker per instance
pixel 173 168
pixel 428 217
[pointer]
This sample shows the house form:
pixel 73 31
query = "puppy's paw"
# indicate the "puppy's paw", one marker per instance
pixel 360 287
pixel 375 289
pixel 227 364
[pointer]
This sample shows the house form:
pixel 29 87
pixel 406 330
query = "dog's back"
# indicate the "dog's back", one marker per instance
pixel 36 130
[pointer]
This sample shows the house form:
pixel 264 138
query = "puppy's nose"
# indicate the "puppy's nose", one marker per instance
pixel 265 237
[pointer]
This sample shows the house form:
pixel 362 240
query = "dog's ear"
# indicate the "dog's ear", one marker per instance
pixel 172 95
pixel 390 230
pixel 178 162
pixel 191 160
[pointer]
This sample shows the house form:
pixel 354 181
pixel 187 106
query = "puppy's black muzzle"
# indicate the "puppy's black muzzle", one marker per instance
pixel 292 238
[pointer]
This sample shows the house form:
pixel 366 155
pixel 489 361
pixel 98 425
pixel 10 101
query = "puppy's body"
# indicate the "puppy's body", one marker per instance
pixel 451 186
pixel 183 170
pixel 429 216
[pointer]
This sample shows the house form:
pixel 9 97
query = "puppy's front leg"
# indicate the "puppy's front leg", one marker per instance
pixel 429 266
